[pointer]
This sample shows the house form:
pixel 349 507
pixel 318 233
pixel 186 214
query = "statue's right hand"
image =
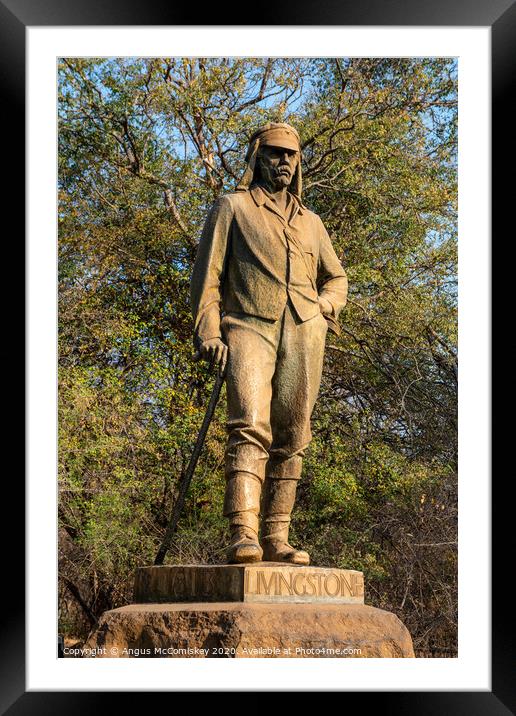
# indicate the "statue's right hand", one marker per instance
pixel 214 351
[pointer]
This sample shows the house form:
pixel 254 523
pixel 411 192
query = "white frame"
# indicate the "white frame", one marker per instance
pixel 471 670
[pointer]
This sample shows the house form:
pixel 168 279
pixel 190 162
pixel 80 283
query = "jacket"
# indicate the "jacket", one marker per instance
pixel 251 258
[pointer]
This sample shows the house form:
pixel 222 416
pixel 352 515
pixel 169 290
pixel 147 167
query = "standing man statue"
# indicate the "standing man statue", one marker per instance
pixel 266 286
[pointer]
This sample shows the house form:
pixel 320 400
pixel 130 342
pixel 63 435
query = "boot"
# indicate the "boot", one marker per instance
pixel 278 501
pixel 242 507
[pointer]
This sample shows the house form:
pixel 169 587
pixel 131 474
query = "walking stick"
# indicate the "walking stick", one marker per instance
pixel 185 483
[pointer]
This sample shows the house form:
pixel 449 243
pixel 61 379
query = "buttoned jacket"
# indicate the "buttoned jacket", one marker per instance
pixel 252 257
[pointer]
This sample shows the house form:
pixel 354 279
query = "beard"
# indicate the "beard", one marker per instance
pixel 276 177
pixel 283 179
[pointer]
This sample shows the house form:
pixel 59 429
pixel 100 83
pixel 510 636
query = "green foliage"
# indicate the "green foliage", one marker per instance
pixel 145 146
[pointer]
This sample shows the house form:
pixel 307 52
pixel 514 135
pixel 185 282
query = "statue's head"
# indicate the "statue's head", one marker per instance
pixel 274 156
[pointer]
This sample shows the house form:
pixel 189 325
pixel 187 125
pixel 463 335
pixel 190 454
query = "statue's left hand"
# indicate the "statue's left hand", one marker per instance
pixel 325 306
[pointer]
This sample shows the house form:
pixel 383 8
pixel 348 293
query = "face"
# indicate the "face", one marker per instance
pixel 277 166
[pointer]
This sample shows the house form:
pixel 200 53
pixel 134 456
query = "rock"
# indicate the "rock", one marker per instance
pixel 243 630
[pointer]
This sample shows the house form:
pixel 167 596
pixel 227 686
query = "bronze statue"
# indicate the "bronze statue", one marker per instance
pixel 266 286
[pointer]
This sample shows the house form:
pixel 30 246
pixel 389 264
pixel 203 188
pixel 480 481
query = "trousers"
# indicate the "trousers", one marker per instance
pixel 273 377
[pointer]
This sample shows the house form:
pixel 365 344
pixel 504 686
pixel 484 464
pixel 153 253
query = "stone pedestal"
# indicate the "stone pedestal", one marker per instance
pixel 243 630
pixel 264 582
pixel 259 610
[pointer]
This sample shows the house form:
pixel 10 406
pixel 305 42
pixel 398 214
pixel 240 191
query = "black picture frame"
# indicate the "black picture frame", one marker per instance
pixel 15 17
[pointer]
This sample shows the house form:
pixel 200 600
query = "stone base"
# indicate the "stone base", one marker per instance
pixel 243 630
pixel 265 582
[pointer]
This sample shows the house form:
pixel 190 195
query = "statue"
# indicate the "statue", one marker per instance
pixel 266 286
